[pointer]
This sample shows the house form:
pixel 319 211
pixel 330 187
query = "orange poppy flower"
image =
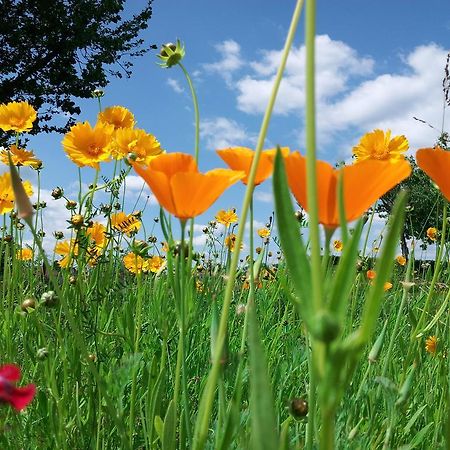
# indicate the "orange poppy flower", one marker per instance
pixel 364 183
pixel 435 162
pixel 180 188
pixel 241 158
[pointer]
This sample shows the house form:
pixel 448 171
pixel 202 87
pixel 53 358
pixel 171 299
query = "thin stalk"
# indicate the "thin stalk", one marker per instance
pixel 202 425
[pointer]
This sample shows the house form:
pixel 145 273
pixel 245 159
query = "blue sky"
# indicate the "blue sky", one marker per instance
pixel 378 65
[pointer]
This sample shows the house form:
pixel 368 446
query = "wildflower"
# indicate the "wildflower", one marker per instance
pixel 241 158
pixel 431 344
pixel 371 274
pixel 263 232
pixel 20 157
pixel 97 241
pixel 227 217
pixel 77 220
pixel 87 146
pixel 401 260
pixel 199 286
pixel 379 145
pixel 338 245
pixel 155 264
pixel 17 116
pixel 68 250
pixel 134 263
pixel 435 162
pixel 127 224
pixel 230 241
pixel 24 254
pixel 142 145
pixel 17 397
pixel 7 196
pixel 180 188
pixel 117 116
pixel 432 233
pixel 171 54
pixel 387 286
pixel 364 183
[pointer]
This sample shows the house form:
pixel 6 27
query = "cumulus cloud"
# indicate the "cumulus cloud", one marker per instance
pixel 221 132
pixel 352 98
pixel 230 62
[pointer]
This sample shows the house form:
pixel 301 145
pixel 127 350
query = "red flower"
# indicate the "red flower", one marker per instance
pixel 17 397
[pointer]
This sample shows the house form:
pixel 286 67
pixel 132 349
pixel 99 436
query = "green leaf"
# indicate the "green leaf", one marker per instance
pixel 264 425
pixel 291 240
pixel 169 436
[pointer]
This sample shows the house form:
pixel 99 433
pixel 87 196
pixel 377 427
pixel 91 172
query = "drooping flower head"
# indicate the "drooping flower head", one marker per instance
pixel 20 157
pixel 128 224
pixel 144 146
pixel 379 145
pixel 117 116
pixel 17 116
pixel 241 158
pixel 88 146
pixel 7 194
pixel 227 217
pixel 17 397
pixel 435 162
pixel 431 344
pixel 68 250
pixel 180 188
pixel 364 183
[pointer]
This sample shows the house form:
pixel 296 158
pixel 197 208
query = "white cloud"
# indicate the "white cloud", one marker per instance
pixel 175 85
pixel 351 99
pixel 230 62
pixel 221 132
pixel 265 197
pixel 336 64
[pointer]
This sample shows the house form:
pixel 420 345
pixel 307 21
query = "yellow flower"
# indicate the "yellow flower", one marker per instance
pixel 338 245
pixel 144 146
pixel 431 344
pixel 20 157
pixel 134 263
pixel 379 145
pixel 155 264
pixel 227 217
pixel 432 233
pixel 7 194
pixel 230 241
pixel 387 285
pixel 118 116
pixel 17 116
pixel 68 250
pixel 128 224
pixel 87 146
pixel 199 286
pixel 97 242
pixel 24 254
pixel 263 232
pixel 401 260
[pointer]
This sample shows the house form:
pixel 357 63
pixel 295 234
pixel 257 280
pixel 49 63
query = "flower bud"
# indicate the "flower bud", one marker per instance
pixel 71 205
pixel 77 220
pixel 28 305
pixel 49 298
pixel 42 353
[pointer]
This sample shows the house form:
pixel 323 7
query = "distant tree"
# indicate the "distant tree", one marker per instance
pixel 55 51
pixel 422 196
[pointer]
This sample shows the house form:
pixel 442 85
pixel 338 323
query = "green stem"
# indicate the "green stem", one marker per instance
pixel 204 415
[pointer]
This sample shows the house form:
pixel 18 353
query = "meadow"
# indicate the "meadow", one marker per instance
pixel 304 336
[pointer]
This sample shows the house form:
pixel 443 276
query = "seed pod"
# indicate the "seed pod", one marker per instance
pixel 404 391
pixel 28 304
pixel 298 407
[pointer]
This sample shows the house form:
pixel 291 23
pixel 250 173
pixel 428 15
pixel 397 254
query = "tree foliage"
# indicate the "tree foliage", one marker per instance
pixel 424 208
pixel 55 51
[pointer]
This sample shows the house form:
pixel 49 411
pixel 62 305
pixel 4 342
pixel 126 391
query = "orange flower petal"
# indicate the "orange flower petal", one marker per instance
pixel 159 183
pixel 172 163
pixel 367 181
pixel 436 164
pixel 193 192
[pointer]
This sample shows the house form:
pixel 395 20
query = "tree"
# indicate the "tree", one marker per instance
pixel 54 51
pixel 424 208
